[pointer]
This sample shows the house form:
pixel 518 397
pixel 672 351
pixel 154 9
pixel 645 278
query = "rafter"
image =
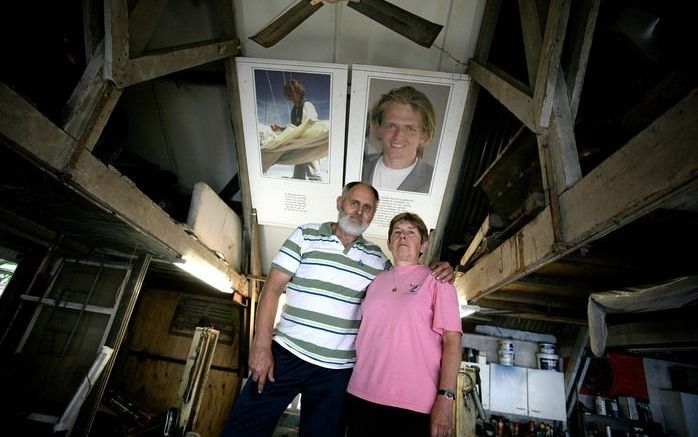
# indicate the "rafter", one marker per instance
pixel 655 167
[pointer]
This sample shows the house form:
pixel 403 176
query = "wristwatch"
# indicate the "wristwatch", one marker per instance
pixel 448 394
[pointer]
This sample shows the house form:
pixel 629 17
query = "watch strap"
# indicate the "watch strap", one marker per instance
pixel 448 394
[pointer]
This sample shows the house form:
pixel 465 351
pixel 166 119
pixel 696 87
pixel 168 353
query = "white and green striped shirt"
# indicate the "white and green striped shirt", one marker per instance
pixel 323 298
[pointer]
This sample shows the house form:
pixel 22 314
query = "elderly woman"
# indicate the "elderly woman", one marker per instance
pixel 408 347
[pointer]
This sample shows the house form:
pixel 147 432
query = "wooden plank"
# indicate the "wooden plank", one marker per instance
pixel 540 300
pixel 90 105
pixel 142 22
pixel 163 62
pixel 656 166
pixel 561 140
pixel 511 93
pixel 580 37
pixel 491 222
pixel 532 37
pixel 116 194
pixel 32 132
pixel 155 382
pixel 115 39
pixel 549 62
pixel 533 312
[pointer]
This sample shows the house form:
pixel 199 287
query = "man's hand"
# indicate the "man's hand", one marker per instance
pixel 261 364
pixel 443 272
pixel 441 417
pixel 275 128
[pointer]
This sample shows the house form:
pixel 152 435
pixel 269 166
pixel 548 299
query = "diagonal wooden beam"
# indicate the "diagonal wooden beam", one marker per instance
pixel 532 37
pixel 90 105
pixel 156 64
pixel 32 132
pixel 116 44
pixel 656 166
pixel 580 36
pixel 549 60
pixel 562 141
pixel 142 22
pixel 510 92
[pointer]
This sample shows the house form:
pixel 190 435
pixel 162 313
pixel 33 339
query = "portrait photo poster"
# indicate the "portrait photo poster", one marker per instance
pixel 293 117
pixel 369 147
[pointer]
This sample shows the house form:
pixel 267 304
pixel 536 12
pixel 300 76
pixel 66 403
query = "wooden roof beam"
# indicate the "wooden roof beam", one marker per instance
pixel 655 167
pixel 36 136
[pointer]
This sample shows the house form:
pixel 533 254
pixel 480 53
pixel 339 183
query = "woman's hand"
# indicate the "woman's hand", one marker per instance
pixel 441 417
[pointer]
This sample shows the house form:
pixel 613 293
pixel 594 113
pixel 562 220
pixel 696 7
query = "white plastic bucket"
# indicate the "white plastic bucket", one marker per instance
pixel 548 362
pixel 506 357
pixel 506 345
pixel 546 348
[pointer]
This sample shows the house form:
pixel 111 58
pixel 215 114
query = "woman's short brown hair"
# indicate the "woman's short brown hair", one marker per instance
pixel 413 219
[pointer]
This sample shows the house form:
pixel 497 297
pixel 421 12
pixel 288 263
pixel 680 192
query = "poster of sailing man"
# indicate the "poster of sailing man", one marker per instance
pixel 293 114
pixel 293 121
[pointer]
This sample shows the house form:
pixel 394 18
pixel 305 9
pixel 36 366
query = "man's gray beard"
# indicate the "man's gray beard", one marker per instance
pixel 348 226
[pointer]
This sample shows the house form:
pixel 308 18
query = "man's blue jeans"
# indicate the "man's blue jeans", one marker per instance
pixel 322 399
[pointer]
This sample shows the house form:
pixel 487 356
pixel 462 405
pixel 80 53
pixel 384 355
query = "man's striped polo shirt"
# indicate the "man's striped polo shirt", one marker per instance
pixel 323 298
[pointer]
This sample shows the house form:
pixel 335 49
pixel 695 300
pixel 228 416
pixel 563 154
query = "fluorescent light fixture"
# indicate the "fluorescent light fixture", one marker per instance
pixel 206 272
pixel 467 310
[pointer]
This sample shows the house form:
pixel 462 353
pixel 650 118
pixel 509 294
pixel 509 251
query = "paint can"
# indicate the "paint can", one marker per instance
pixel 600 405
pixel 506 345
pixel 506 357
pixel 548 362
pixel 546 348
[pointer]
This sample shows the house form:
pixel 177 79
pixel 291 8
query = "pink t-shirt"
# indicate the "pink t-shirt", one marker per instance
pixel 399 345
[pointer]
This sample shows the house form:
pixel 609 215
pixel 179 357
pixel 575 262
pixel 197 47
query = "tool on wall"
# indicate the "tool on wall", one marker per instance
pixel 182 418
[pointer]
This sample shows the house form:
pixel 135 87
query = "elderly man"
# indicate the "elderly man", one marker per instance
pixel 404 122
pixel 325 269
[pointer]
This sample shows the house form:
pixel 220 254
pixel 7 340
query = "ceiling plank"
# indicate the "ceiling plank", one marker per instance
pixel 115 193
pixel 658 164
pixel 525 311
pixel 36 136
pixel 539 299
pixel 508 91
